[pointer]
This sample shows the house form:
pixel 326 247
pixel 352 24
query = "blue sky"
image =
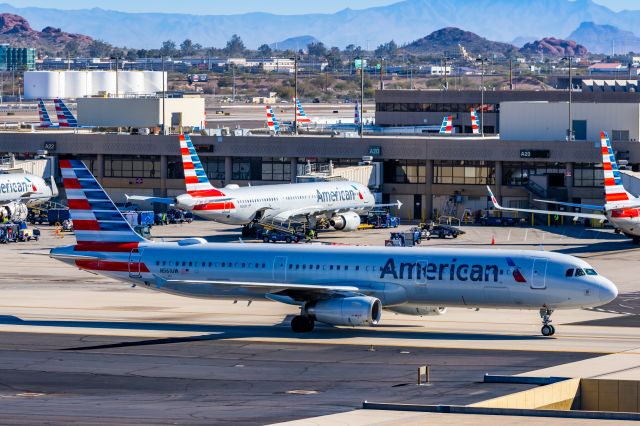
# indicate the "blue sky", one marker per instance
pixel 214 7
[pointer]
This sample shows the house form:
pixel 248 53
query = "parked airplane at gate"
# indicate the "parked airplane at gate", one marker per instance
pixel 621 208
pixel 348 285
pixel 341 202
pixel 21 190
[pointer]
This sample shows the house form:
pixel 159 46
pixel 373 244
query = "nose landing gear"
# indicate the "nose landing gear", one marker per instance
pixel 547 328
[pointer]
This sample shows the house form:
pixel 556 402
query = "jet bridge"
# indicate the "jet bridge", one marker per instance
pixel 367 173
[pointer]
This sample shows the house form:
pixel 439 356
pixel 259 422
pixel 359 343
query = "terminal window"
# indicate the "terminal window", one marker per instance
pixel 588 175
pixel 405 171
pixel 276 168
pixel 146 166
pixel 464 172
pixel 516 173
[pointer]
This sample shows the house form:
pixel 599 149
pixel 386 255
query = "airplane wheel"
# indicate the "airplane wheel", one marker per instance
pixel 553 330
pixel 547 330
pixel 302 324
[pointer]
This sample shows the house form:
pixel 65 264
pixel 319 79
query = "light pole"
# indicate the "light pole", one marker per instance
pixel 164 91
pixel 446 79
pixel 481 60
pixel 295 94
pixel 570 129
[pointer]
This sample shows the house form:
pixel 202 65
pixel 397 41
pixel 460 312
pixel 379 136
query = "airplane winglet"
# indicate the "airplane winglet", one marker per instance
pixel 399 203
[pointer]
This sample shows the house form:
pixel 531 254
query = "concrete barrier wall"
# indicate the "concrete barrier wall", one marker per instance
pixel 610 395
pixel 563 395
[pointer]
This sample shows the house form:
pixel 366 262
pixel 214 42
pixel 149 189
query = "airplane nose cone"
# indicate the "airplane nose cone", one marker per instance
pixel 608 291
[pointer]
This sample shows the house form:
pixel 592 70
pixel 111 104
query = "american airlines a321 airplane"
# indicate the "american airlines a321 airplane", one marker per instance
pixel 621 208
pixel 21 190
pixel 341 202
pixel 336 285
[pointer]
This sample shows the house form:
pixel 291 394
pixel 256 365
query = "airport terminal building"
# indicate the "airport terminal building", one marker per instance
pixel 423 173
pixel 430 175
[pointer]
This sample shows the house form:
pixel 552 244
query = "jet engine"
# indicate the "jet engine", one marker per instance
pixel 348 221
pixel 15 211
pixel 354 311
pixel 418 310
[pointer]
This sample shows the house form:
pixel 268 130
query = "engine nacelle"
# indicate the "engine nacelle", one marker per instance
pixel 418 310
pixel 15 211
pixel 348 221
pixel 354 311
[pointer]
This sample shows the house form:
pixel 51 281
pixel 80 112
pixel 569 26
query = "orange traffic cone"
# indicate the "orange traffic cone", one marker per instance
pixel 493 240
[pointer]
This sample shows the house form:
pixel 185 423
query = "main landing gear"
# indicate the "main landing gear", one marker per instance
pixel 547 328
pixel 302 324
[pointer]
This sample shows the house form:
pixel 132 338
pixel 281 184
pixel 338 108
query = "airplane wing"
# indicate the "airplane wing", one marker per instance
pixel 319 209
pixel 582 206
pixel 159 200
pixel 559 213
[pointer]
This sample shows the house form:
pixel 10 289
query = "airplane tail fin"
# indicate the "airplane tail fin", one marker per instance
pixel 195 177
pixel 272 121
pixel 43 114
pixel 301 117
pixel 447 125
pixel 356 115
pixel 613 188
pixel 95 218
pixel 475 122
pixel 494 200
pixel 65 117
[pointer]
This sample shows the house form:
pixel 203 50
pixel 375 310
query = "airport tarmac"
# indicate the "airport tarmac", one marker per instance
pixel 77 347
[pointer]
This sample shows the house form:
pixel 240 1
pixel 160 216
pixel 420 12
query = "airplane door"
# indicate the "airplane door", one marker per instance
pixel 280 269
pixel 539 274
pixel 135 260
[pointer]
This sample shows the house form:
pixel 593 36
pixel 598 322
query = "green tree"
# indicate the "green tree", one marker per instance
pixel 187 48
pixel 235 46
pixel 265 50
pixel 317 49
pixel 168 48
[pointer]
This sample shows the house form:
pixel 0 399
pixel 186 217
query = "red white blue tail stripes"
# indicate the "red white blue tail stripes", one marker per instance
pixel 45 120
pixel 475 122
pixel 301 117
pixel 447 125
pixel 195 177
pixel 272 121
pixel 614 191
pixel 65 117
pixel 95 217
pixel 356 116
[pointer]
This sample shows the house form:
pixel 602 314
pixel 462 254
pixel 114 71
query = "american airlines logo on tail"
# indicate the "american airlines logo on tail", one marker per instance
pixel 272 121
pixel 447 125
pixel 475 123
pixel 613 188
pixel 301 117
pixel 65 117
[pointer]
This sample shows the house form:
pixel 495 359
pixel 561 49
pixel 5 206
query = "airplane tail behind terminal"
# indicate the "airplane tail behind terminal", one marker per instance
pixel 447 125
pixel 195 177
pixel 43 114
pixel 301 117
pixel 475 122
pixel 614 191
pixel 65 117
pixel 96 220
pixel 272 121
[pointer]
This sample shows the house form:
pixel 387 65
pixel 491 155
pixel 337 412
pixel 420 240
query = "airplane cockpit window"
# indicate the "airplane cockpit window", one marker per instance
pixel 591 271
pixel 580 272
pixel 569 272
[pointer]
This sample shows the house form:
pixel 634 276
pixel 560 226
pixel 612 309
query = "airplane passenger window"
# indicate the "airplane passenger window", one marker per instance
pixel 591 271
pixel 263 265
pixel 164 262
pixel 257 265
pixel 190 264
pixel 317 267
pixel 157 263
pixel 304 266
pixel 338 267
pixel 357 268
pixel 209 264
pixel 310 266
pixel 223 264
pixel 184 263
pixel 297 266
pixel 331 267
pixel 346 267
pixel 569 272
pixel 580 272
pixel 291 266
pixel 243 264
